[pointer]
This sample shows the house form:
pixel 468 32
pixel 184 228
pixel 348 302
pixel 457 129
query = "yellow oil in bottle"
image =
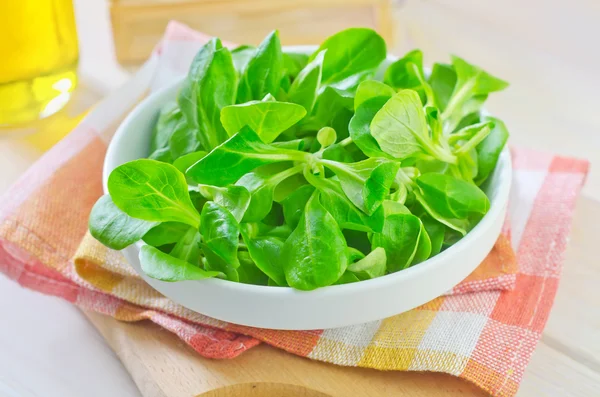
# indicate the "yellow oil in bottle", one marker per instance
pixel 38 58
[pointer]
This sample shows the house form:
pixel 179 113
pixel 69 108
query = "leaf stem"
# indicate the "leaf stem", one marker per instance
pixel 440 153
pixel 346 142
pixel 277 178
pixel 474 141
pixel 457 98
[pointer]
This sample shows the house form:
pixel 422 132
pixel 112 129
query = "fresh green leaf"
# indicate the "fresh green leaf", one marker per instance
pixel 275 216
pixel 391 207
pixel 293 205
pixel 309 260
pixel 161 266
pixel 287 186
pixel 451 197
pixel 267 119
pixel 163 155
pixel 339 152
pixel 261 184
pixel 248 272
pixel 284 87
pixel 435 231
pixel 347 278
pixel 488 151
pixel 365 183
pixel 351 83
pixel 263 72
pixel 188 247
pixel 471 81
pixel 334 108
pixel 239 155
pixel 220 233
pixel 211 85
pixel 346 214
pixel 186 161
pixel 406 72
pixel 153 191
pixel 293 63
pixel 432 115
pixel 400 239
pixel 474 79
pixel 350 52
pixel 169 121
pixel 423 248
pixel 235 199
pixel 281 231
pixel 197 199
pixel 468 112
pixel 241 55
pixel 371 89
pixel 354 255
pixel 359 239
pixel 442 81
pixel 166 233
pixel 305 87
pixel 360 127
pixel 265 251
pixel 183 141
pixel 113 227
pixel 465 142
pixel 471 118
pixel 371 266
pixel 467 165
pixel 459 225
pixel 431 165
pixel 400 128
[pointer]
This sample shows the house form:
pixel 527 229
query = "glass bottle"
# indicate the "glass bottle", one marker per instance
pixel 38 46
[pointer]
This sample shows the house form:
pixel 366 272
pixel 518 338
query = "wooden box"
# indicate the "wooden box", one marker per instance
pixel 138 24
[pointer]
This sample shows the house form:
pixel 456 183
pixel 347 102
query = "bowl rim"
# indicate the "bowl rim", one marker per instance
pixel 503 167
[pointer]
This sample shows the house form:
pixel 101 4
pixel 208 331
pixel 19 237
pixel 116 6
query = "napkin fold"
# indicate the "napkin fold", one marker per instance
pixel 484 330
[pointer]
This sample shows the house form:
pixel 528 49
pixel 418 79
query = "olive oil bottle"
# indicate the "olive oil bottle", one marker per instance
pixel 38 59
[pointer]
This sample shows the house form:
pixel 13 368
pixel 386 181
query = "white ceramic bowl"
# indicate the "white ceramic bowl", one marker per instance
pixel 328 307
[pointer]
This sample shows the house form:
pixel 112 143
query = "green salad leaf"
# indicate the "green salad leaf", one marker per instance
pixel 267 119
pixel 305 88
pixel 220 234
pixel 165 267
pixel 371 89
pixel 211 85
pixel 309 260
pixel 263 72
pixel 351 52
pixel 166 233
pixel 113 227
pixel 237 156
pixel 152 191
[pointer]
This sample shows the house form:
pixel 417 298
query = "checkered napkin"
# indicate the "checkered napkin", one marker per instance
pixel 484 330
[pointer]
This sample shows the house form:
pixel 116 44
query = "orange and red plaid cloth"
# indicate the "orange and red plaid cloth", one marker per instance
pixel 484 330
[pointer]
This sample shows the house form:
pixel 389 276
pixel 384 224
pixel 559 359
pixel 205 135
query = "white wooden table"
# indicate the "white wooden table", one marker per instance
pixel 545 49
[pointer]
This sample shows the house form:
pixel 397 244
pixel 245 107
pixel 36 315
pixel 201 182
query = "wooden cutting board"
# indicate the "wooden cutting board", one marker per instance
pixel 163 366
